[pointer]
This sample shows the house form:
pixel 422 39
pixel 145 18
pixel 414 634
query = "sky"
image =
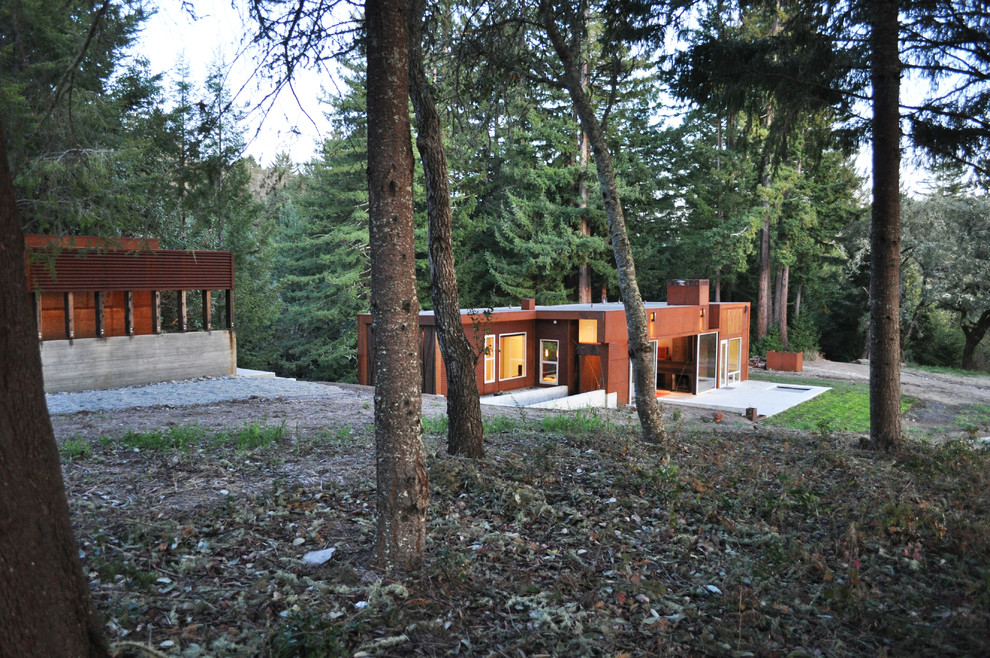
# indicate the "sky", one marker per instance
pixel 296 125
pixel 292 127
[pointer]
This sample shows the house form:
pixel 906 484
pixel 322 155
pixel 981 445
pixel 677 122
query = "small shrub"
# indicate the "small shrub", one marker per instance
pixel 497 424
pixel 582 421
pixel 435 426
pixel 75 449
pixel 253 436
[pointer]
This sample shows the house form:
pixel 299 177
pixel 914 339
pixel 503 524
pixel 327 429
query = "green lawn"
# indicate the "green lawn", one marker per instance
pixel 845 408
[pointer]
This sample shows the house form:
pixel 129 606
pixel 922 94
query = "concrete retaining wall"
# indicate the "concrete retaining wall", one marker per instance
pixel 526 397
pixel 94 363
pixel 591 399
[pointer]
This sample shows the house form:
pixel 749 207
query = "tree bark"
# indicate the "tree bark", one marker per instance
pixel 584 269
pixel 783 280
pixel 763 292
pixel 403 486
pixel 974 333
pixel 640 351
pixel 797 300
pixel 885 236
pixel 465 431
pixel 45 605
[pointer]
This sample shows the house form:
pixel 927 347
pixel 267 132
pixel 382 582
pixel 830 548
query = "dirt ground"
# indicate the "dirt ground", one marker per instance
pixel 572 541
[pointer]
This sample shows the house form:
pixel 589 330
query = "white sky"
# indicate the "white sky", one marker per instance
pixel 171 34
pixel 297 125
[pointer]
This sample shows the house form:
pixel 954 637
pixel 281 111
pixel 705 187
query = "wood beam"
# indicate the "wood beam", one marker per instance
pixel 99 307
pixel 36 303
pixel 207 311
pixel 229 307
pixel 129 313
pixel 70 319
pixel 156 312
pixel 182 310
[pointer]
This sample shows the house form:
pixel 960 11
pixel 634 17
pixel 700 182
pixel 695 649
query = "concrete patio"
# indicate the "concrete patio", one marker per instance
pixel 768 398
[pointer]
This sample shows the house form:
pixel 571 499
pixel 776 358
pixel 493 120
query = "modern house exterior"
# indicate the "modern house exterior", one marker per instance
pixel 698 345
pixel 98 307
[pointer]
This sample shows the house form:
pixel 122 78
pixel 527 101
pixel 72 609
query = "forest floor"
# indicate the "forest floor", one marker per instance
pixel 572 537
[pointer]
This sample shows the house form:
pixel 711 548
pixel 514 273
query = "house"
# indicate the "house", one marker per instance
pixel 114 312
pixel 698 345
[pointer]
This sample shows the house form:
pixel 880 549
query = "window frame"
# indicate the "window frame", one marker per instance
pixel 555 361
pixel 525 365
pixel 490 358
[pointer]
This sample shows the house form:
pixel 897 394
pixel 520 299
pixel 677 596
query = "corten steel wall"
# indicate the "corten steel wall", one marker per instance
pixel 115 268
pixel 76 270
pixel 95 363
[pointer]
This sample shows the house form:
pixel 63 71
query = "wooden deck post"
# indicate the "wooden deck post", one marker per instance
pixel 207 311
pixel 182 310
pixel 129 313
pixel 156 312
pixel 229 307
pixel 36 303
pixel 99 308
pixel 70 319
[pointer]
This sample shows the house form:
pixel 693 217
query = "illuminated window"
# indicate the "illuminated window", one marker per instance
pixel 548 361
pixel 489 359
pixel 588 331
pixel 511 356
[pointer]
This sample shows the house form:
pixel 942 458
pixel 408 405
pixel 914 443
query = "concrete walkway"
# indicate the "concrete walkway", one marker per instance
pixel 768 398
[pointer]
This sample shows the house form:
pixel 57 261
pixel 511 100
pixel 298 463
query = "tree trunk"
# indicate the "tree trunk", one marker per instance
pixel 465 431
pixel 974 333
pixel 584 269
pixel 885 236
pixel 45 605
pixel 783 280
pixel 640 350
pixel 718 285
pixel 797 300
pixel 763 292
pixel 403 487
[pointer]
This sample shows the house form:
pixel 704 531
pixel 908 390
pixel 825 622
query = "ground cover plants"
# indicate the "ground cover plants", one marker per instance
pixel 572 537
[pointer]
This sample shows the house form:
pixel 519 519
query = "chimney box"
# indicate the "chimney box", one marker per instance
pixel 528 304
pixel 687 292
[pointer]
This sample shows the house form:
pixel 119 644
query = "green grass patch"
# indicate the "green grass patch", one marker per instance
pixel 581 421
pixel 174 438
pixel 253 436
pixel 973 418
pixel 496 424
pixel 845 408
pixel 435 426
pixel 74 450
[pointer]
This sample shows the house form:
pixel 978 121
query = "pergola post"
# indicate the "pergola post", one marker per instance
pixel 182 310
pixel 229 307
pixel 129 313
pixel 207 311
pixel 99 308
pixel 156 312
pixel 70 319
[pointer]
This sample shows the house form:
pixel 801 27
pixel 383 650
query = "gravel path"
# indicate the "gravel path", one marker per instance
pixel 181 393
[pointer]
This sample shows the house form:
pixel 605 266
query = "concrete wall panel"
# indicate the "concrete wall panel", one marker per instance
pixel 95 363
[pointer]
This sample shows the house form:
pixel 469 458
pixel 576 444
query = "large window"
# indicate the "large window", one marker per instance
pixel 548 361
pixel 489 359
pixel 588 331
pixel 512 356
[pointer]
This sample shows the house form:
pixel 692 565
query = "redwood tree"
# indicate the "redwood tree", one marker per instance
pixel 640 350
pixel 465 431
pixel 403 486
pixel 45 606
pixel 885 236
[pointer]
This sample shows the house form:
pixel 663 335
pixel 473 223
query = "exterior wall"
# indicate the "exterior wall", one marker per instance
pixel 95 363
pixel 84 315
pixel 617 378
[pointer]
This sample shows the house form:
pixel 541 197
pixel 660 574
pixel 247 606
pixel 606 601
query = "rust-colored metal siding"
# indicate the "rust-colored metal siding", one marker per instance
pixel 79 270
